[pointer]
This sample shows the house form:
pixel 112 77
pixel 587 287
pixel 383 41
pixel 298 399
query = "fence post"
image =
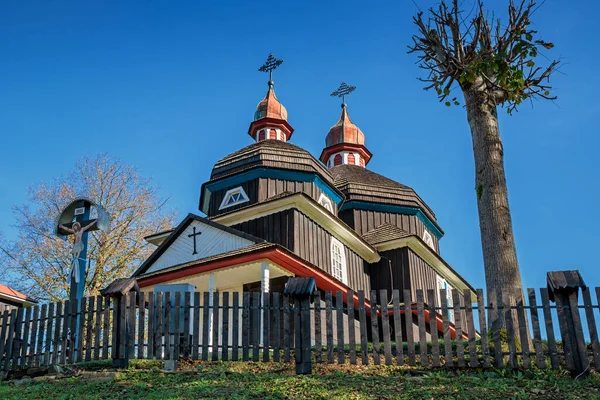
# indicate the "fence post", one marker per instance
pixel 301 290
pixel 563 288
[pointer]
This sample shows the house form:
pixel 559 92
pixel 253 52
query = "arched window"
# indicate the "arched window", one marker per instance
pixel 351 159
pixel 337 160
pixel 361 161
pixel 261 135
pixel 273 134
pixel 325 202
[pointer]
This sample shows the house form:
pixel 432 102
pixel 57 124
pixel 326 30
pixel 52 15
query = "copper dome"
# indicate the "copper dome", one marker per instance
pixel 344 131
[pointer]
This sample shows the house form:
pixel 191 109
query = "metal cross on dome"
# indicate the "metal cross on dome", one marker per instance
pixel 269 65
pixel 343 91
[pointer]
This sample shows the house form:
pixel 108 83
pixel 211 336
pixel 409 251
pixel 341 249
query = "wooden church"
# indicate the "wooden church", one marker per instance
pixel 274 211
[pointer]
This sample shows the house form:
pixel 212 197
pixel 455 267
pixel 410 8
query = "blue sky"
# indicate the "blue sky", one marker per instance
pixel 171 89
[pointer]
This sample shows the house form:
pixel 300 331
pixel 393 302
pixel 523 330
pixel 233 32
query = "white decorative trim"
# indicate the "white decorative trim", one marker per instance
pixel 337 250
pixel 314 211
pixel 239 192
pixel 427 238
pixel 326 202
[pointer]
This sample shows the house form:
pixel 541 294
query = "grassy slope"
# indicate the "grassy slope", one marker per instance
pixel 277 381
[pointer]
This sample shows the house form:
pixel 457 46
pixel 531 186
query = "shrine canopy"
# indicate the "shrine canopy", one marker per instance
pixel 81 207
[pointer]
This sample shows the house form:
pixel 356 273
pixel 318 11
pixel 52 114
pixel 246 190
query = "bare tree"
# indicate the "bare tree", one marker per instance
pixel 39 263
pixel 493 64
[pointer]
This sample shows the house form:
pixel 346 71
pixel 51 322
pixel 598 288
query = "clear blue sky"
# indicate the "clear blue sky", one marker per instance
pixel 171 89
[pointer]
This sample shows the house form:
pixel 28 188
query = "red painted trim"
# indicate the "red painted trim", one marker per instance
pixel 361 149
pixel 271 122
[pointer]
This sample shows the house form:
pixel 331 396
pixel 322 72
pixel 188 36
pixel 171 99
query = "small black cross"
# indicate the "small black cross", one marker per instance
pixel 193 235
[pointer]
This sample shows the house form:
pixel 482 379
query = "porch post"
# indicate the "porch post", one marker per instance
pixel 211 293
pixel 264 288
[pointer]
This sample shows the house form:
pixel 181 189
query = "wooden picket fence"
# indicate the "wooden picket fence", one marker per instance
pixel 260 327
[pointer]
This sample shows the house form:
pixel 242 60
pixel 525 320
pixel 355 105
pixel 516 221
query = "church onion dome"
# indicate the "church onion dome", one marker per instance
pixel 360 184
pixel 345 131
pixel 271 117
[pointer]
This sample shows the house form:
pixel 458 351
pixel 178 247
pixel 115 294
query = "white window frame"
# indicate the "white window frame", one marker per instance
pixel 337 249
pixel 427 238
pixel 326 202
pixel 443 284
pixel 232 192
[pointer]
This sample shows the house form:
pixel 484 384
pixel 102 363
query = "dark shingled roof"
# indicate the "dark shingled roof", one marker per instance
pixel 385 233
pixel 270 154
pixel 358 183
pixel 300 286
pixel 120 287
pixel 564 281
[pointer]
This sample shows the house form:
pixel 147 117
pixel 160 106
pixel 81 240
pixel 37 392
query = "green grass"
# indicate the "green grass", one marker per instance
pixel 145 380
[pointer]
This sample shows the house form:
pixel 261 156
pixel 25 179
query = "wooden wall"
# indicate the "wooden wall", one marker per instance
pixel 259 190
pixel 363 221
pixel 301 235
pixel 380 272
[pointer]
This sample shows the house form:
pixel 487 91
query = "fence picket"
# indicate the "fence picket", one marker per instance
pixel 64 338
pixel 17 341
pixel 57 332
pixel 8 349
pixel 205 325
pixel 385 327
pixel 158 336
pixel 351 326
pixel 151 326
pixel 523 334
pixel 339 305
pixel 235 338
pixel 4 336
pixel 40 338
pixel 433 327
pixel 318 331
pixel 246 328
pixel 225 336
pixel 167 330
pixel 424 358
pixel 215 326
pixel 329 327
pixel 398 327
pixel 25 345
pixel 591 322
pixel 256 327
pixel 485 348
pixel 408 323
pixel 276 327
pixel 549 329
pixel 266 319
pixel 449 362
pixel 97 327
pixel 496 317
pixel 89 327
pixel 375 328
pixel 141 325
pixel 196 326
pixel 535 324
pixel 105 329
pixel 81 325
pixel 130 331
pixel 362 317
pixel 470 328
pixel 176 354
pixel 460 347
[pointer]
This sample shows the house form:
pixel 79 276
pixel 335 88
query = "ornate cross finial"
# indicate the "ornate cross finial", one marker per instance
pixel 343 91
pixel 269 65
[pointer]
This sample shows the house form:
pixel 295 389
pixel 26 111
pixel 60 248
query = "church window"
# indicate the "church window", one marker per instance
pixel 338 261
pixel 361 161
pixel 261 135
pixel 442 284
pixel 428 239
pixel 325 202
pixel 233 197
pixel 337 160
pixel 273 134
pixel 351 159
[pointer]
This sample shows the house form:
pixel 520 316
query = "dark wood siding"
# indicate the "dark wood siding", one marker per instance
pixel 363 221
pixel 380 272
pixel 308 240
pixel 251 189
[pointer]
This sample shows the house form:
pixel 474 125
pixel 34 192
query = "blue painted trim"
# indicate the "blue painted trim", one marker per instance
pixel 276 174
pixel 363 205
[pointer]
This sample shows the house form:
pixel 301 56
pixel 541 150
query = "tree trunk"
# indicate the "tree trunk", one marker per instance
pixel 497 239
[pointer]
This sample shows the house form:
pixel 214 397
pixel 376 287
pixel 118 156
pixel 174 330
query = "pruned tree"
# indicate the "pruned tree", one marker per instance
pixel 492 64
pixel 39 263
